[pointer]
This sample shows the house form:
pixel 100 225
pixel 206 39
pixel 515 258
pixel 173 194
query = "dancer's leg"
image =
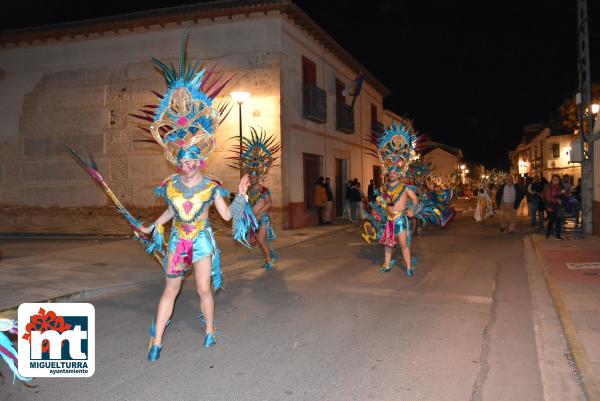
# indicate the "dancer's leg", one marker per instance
pixel 261 240
pixel 165 306
pixel 202 270
pixel 405 249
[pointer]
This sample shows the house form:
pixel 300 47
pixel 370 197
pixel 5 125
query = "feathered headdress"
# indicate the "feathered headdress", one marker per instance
pixel 396 148
pixel 185 120
pixel 418 169
pixel 257 153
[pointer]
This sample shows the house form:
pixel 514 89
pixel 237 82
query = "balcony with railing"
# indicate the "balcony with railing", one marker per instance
pixel 377 127
pixel 344 117
pixel 314 103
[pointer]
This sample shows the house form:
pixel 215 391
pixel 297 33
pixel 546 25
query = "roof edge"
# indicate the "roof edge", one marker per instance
pixel 181 15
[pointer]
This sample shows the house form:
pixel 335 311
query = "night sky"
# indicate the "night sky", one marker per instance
pixel 470 74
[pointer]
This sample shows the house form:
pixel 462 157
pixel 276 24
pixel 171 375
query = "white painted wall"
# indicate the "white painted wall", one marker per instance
pixel 304 136
pixel 442 163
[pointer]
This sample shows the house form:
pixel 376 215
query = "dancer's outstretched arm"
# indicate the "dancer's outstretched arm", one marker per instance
pixel 166 216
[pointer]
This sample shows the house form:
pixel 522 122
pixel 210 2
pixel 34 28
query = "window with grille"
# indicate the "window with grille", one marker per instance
pixel 555 148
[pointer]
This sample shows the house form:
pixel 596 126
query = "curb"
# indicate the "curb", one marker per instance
pixel 10 313
pixel 583 366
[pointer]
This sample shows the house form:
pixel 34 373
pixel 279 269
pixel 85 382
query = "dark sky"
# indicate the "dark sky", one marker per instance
pixel 470 74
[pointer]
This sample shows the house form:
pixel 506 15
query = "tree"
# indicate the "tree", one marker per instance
pixel 568 112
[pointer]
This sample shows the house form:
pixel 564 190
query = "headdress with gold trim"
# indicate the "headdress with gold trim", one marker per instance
pixel 257 153
pixel 186 118
pixel 396 148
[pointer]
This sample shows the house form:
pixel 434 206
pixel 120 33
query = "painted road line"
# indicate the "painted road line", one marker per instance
pixel 582 266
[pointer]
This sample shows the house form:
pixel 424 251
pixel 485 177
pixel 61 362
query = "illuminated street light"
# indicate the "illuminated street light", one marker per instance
pixel 462 166
pixel 595 108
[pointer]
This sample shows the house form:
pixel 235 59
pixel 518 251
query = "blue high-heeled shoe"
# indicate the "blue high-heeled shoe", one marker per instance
pixel 209 340
pixel 388 269
pixel 154 349
pixel 267 266
pixel 154 353
pixel 411 272
pixel 273 256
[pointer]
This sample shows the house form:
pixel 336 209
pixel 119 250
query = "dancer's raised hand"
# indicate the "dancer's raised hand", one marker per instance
pixel 244 184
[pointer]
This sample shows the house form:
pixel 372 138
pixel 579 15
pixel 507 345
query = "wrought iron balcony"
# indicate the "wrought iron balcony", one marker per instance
pixel 314 104
pixel 345 118
pixel 377 127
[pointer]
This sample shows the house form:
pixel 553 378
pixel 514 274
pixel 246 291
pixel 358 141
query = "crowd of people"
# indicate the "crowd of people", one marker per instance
pixel 352 205
pixel 547 201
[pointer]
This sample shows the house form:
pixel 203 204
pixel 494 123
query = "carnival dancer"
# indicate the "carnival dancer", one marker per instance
pixel 184 124
pixel 388 220
pixel 257 157
pixel 484 204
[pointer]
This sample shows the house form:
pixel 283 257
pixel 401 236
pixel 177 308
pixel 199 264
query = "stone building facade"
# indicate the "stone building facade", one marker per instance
pixel 77 84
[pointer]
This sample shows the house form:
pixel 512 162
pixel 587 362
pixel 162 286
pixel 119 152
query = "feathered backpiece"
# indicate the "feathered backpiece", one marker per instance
pixel 185 119
pixel 257 153
pixel 418 169
pixel 497 177
pixel 396 148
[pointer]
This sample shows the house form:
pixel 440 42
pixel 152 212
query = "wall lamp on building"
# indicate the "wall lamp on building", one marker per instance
pixel 523 166
pixel 240 97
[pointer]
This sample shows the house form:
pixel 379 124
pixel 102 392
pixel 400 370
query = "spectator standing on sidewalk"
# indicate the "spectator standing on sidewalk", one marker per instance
pixel 371 191
pixel 320 199
pixel 355 199
pixel 508 198
pixel 535 192
pixel 577 195
pixel 329 204
pixel 552 195
pixel 566 184
pixel 348 187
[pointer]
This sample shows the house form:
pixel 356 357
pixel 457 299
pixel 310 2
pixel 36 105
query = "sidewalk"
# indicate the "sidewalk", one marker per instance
pixel 572 272
pixel 79 270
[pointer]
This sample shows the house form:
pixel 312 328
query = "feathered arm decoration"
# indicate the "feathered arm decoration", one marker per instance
pixel 150 245
pixel 7 350
pixel 244 221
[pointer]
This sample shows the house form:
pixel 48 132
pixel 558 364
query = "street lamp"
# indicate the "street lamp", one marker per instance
pixel 240 98
pixel 595 108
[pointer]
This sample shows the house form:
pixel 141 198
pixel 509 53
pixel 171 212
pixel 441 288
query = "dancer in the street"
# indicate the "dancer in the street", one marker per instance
pixel 184 124
pixel 257 157
pixel 484 204
pixel 388 220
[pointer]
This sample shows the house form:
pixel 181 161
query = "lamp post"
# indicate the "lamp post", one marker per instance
pixel 240 98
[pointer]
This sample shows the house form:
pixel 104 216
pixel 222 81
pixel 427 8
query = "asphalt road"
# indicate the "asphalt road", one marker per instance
pixel 325 325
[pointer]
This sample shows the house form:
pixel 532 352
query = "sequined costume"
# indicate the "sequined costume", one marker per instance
pixel 191 238
pixel 255 197
pixel 256 157
pixel 395 149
